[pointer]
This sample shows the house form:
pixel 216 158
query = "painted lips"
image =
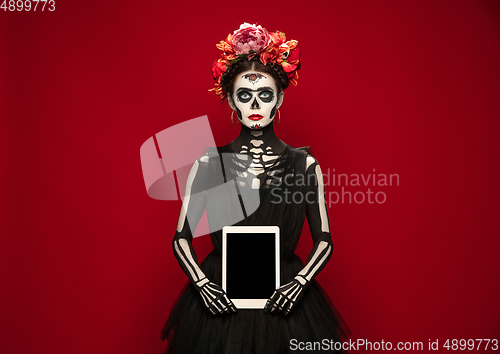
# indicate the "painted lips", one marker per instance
pixel 255 117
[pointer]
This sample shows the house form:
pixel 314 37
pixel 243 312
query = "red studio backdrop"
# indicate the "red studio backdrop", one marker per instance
pixel 403 88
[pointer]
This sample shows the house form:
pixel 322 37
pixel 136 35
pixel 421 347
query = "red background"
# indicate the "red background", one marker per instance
pixel 410 88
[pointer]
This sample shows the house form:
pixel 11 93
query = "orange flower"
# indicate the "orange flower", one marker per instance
pixel 293 77
pixel 292 44
pixel 218 88
pixel 226 45
pixel 271 54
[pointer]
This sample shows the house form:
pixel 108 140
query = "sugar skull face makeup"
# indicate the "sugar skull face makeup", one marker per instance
pixel 255 99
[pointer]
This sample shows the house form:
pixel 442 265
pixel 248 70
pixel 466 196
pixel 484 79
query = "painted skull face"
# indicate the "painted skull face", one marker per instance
pixel 255 99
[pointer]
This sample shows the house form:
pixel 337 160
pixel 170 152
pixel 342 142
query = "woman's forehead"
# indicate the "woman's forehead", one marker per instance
pixel 254 79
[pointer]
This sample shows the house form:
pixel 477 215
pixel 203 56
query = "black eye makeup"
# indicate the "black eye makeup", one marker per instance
pixel 266 94
pixel 244 96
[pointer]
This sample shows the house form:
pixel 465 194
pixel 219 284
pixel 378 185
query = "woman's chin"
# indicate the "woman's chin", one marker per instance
pixel 256 126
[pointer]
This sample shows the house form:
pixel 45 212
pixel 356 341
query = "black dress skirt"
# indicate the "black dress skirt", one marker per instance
pixel 192 329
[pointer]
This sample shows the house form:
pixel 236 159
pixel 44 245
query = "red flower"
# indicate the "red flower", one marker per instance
pixel 278 37
pixel 287 67
pixel 294 56
pixel 218 68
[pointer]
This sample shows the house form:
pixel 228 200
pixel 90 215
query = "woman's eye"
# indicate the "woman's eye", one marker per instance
pixel 245 95
pixel 266 96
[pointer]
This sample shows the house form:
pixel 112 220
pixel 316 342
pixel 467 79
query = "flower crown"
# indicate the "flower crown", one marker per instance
pixel 250 41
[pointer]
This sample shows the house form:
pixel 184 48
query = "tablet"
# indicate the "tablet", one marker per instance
pixel 250 264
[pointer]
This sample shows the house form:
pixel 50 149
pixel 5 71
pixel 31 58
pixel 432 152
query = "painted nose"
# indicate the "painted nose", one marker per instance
pixel 255 104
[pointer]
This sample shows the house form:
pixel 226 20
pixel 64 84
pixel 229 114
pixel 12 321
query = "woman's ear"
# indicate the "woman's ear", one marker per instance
pixel 231 103
pixel 280 99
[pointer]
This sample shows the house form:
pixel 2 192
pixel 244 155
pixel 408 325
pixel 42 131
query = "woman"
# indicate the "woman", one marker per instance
pixel 254 69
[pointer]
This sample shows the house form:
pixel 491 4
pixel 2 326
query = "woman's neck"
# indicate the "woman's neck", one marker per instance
pixel 263 147
pixel 264 139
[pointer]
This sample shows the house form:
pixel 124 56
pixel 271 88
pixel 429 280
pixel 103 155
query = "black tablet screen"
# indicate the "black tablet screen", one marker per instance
pixel 251 265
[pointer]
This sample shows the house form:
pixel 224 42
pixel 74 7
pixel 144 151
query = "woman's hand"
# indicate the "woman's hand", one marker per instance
pixel 286 296
pixel 214 298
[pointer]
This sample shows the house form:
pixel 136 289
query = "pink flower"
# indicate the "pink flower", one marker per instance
pixel 250 38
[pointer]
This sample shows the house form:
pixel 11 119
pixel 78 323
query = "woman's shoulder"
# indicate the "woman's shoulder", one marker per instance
pixel 303 156
pixel 305 152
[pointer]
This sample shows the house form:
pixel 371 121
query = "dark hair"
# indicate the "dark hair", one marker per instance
pixel 276 71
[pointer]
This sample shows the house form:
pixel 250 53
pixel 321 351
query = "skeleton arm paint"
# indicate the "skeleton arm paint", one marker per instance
pixel 286 296
pixel 194 203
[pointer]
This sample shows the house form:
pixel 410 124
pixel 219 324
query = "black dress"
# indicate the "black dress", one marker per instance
pixel 192 329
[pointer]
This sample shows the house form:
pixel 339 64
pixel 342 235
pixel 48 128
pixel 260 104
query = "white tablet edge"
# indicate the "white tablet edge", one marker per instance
pixel 250 303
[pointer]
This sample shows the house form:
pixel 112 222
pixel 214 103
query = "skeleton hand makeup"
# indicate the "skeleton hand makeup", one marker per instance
pixel 286 296
pixel 255 99
pixel 214 298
